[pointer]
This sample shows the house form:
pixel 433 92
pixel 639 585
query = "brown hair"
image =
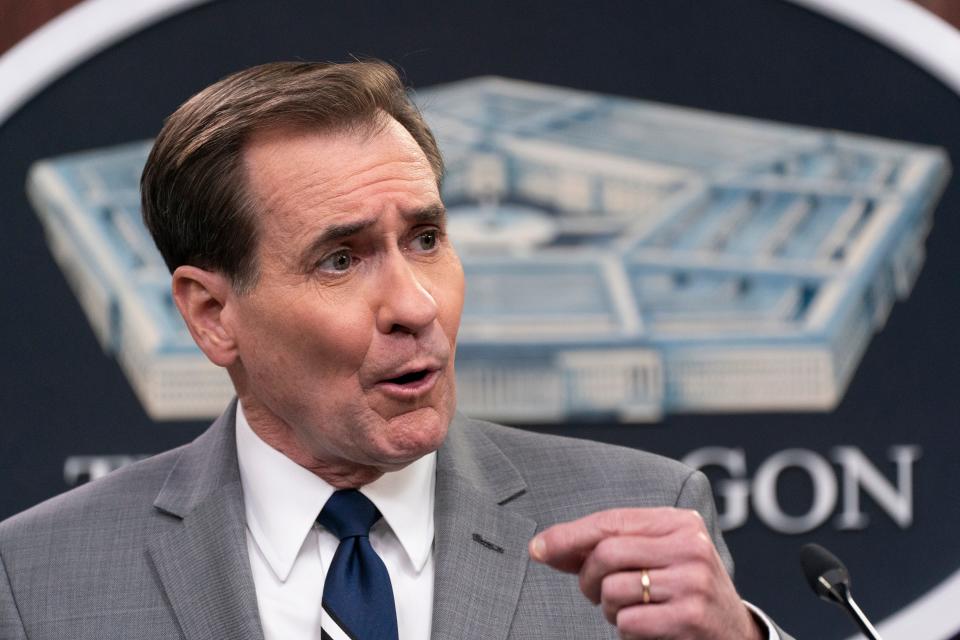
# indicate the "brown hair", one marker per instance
pixel 193 187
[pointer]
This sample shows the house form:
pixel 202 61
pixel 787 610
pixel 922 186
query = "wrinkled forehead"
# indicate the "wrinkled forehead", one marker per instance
pixel 279 138
pixel 300 179
pixel 319 163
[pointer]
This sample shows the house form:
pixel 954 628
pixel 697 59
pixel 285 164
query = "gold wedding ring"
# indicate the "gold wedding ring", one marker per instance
pixel 645 583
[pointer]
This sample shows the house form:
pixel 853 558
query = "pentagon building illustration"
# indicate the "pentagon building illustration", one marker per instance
pixel 624 259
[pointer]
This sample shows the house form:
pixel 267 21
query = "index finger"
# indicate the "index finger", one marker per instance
pixel 566 545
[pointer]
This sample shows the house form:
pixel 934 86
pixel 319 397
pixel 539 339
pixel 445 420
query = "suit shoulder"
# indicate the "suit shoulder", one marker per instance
pixel 124 494
pixel 568 478
pixel 586 464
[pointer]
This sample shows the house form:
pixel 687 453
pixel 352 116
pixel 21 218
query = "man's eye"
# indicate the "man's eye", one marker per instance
pixel 426 241
pixel 339 261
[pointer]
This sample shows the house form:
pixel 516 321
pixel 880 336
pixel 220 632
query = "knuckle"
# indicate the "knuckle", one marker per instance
pixel 584 580
pixel 694 615
pixel 610 588
pixel 693 518
pixel 702 547
pixel 609 612
pixel 701 585
pixel 606 554
pixel 611 521
pixel 673 513
pixel 699 619
pixel 614 592
pixel 626 623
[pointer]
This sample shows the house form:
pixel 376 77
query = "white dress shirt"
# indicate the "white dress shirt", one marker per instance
pixel 290 554
pixel 764 621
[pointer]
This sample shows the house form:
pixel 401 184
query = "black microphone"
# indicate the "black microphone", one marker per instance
pixel 830 580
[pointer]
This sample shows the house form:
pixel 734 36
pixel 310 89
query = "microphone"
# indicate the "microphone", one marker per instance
pixel 830 580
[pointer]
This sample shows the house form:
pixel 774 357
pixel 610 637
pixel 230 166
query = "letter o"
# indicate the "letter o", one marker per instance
pixel 765 490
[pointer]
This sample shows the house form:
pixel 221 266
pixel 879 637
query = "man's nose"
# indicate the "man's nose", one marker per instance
pixel 405 304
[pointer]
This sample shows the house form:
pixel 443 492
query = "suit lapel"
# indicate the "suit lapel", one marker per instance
pixel 480 544
pixel 202 564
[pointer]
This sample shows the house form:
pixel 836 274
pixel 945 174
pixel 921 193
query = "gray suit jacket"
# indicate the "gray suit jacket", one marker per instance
pixel 157 549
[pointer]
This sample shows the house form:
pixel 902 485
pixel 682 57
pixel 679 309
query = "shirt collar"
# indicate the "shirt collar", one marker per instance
pixel 282 501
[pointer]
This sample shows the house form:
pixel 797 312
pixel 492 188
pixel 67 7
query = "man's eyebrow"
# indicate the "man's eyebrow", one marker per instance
pixel 332 235
pixel 433 214
pixel 336 232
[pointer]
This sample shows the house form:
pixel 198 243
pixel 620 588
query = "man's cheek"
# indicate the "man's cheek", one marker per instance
pixel 341 344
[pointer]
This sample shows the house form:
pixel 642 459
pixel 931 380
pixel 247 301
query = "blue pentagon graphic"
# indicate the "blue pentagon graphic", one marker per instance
pixel 624 259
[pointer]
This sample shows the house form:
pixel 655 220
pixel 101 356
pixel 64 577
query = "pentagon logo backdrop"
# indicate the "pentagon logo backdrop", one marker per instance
pixel 719 231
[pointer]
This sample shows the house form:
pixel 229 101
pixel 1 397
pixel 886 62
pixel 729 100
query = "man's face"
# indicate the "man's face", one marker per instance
pixel 345 347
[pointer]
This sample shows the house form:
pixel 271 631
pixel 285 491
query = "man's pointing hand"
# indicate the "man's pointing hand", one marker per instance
pixel 689 595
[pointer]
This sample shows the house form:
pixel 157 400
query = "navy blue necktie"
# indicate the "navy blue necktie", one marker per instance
pixel 357 595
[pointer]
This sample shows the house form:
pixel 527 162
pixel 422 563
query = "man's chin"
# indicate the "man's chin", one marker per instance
pixel 413 434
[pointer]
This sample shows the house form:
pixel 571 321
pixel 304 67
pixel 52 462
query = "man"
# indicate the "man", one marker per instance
pixel 297 206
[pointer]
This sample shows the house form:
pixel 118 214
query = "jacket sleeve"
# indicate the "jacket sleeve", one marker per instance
pixel 696 494
pixel 11 626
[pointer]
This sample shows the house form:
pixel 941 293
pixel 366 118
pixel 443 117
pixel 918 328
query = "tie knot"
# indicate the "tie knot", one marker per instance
pixel 348 513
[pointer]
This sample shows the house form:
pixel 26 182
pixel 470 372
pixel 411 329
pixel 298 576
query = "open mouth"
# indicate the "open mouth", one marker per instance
pixel 411 385
pixel 409 378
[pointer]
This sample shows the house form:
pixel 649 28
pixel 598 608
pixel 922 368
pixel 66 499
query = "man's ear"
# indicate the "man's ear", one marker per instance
pixel 201 297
